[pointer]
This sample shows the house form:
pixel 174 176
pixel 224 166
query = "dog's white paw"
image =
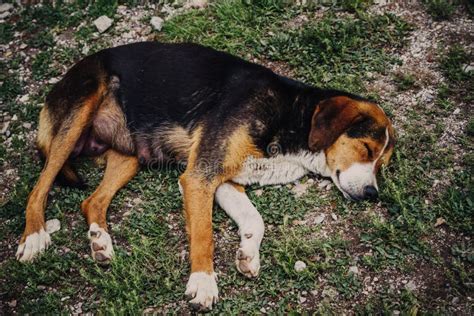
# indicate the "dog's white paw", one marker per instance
pixel 202 288
pixel 33 245
pixel 247 259
pixel 101 244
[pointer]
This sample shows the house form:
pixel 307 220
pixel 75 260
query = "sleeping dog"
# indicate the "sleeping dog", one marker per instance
pixel 231 122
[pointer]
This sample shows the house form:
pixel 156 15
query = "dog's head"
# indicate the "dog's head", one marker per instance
pixel 357 138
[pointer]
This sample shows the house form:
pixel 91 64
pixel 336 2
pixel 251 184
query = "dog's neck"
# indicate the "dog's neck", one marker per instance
pixel 290 126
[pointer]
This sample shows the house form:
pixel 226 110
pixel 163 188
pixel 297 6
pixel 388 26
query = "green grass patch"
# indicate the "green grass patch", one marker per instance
pixel 454 64
pixel 333 51
pixel 440 9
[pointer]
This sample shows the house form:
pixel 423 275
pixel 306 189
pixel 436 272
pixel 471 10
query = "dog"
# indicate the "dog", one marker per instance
pixel 232 122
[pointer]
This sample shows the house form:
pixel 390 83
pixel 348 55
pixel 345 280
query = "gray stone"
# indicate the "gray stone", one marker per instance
pixel 6 7
pixel 4 15
pixel 411 286
pixel 324 183
pixel 300 266
pixel 157 23
pixel 102 23
pixel 53 225
pixel 197 4
pixel 354 270
pixel 319 219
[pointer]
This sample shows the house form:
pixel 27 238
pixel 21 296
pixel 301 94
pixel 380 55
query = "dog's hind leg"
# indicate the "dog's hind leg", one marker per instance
pixel 57 149
pixel 233 200
pixel 119 170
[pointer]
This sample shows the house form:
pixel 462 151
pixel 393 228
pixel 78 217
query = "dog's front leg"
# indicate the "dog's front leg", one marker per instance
pixel 198 196
pixel 233 200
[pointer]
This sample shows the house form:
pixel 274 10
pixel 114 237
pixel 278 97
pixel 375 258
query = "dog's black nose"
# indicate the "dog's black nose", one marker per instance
pixel 370 192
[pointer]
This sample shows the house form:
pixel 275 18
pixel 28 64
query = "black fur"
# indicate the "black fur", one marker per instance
pixel 188 85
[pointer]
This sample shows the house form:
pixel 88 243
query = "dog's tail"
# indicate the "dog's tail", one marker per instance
pixel 68 175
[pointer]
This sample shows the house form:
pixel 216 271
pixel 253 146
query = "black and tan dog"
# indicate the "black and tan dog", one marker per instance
pixel 232 122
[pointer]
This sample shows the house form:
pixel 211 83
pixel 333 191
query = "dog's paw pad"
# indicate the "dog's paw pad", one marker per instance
pixel 247 260
pixel 33 245
pixel 101 244
pixel 202 289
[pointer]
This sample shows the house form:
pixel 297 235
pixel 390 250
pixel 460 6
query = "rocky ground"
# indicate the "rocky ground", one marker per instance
pixel 409 253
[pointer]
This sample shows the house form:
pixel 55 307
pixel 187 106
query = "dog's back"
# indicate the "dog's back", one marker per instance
pixel 152 95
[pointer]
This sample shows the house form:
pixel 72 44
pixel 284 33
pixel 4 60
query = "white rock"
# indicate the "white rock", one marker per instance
pixel 314 292
pixel 258 192
pixel 300 189
pixel 324 183
pixel 53 80
pixel 302 299
pixel 14 117
pixel 102 23
pixel 6 7
pixel 157 23
pixel 468 68
pixel 457 111
pixel 24 98
pixel 5 127
pixel 197 4
pixel 411 286
pixel 334 217
pixel 300 266
pixel 4 15
pixel 330 292
pixel 85 50
pixel 53 225
pixel 319 219
pixel 27 125
pixel 354 270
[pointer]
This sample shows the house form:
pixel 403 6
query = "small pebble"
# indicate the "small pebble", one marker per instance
pixel 319 219
pixel 157 23
pixel 411 286
pixel 300 266
pixel 324 183
pixel 354 270
pixel 53 225
pixel 102 23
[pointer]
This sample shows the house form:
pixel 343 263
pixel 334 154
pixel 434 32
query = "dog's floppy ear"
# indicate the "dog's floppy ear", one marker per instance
pixel 331 118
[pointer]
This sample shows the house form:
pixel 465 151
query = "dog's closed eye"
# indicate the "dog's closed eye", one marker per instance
pixel 369 151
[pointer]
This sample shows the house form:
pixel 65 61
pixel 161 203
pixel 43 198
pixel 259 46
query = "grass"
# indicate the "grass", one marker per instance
pixel 440 9
pixel 392 242
pixel 329 51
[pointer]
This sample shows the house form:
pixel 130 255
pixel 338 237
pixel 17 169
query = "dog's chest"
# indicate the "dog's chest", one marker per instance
pixel 279 169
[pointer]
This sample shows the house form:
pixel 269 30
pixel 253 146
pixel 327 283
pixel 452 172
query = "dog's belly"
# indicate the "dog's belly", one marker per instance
pixel 280 169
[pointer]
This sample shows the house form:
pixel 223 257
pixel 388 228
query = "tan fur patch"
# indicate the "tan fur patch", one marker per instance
pixel 118 172
pixel 176 140
pixel 45 132
pixel 239 147
pixel 111 127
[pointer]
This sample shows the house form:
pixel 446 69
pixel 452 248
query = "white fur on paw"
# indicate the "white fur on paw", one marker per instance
pixel 247 259
pixel 34 244
pixel 202 288
pixel 101 244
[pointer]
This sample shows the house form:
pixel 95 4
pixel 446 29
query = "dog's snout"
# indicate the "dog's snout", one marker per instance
pixel 370 192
